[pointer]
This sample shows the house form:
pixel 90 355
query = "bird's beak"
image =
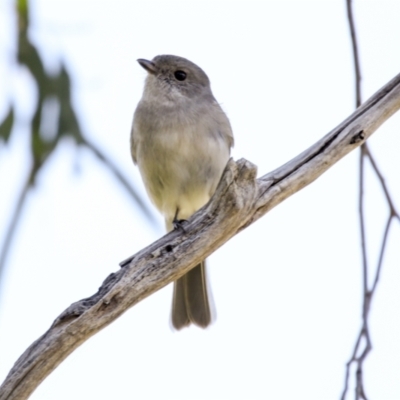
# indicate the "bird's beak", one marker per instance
pixel 149 66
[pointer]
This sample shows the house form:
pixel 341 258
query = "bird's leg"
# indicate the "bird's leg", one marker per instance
pixel 178 223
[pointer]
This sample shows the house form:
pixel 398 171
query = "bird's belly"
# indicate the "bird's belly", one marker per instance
pixel 181 174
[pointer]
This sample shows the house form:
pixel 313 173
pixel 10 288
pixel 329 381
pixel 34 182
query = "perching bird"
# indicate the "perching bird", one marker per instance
pixel 181 141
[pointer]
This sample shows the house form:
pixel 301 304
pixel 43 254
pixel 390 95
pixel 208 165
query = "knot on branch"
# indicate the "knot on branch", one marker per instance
pixel 236 192
pixel 358 137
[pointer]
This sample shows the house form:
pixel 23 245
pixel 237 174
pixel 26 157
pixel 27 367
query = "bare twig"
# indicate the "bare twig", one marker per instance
pixel 363 344
pixel 239 200
pixel 119 176
pixel 14 221
pixel 356 59
pixel 382 182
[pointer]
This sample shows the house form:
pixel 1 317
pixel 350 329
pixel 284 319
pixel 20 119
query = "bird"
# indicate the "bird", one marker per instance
pixel 181 141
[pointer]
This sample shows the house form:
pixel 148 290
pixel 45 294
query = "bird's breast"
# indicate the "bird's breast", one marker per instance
pixel 181 166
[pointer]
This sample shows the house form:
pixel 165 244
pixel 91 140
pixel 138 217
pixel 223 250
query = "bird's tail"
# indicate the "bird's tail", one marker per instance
pixel 190 303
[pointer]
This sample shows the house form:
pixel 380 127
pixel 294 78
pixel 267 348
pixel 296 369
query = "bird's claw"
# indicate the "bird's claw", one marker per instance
pixel 178 224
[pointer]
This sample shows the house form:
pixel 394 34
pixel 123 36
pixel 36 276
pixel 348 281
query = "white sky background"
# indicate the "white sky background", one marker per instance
pixel 288 289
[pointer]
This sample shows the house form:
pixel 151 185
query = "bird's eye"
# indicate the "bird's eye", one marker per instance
pixel 180 75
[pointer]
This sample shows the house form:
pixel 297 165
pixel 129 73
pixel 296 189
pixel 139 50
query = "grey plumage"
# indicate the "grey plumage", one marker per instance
pixel 181 141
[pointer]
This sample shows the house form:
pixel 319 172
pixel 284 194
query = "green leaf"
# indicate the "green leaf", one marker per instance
pixel 6 126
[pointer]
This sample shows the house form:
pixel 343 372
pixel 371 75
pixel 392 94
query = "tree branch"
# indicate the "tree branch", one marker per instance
pixel 239 201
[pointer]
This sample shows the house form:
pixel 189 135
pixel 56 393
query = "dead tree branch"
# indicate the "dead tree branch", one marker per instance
pixel 239 201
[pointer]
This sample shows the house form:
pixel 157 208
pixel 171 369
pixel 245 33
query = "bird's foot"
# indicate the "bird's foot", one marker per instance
pixel 178 224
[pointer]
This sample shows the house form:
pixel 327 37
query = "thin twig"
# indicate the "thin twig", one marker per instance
pixel 381 254
pixel 12 227
pixel 363 343
pixel 382 182
pixel 362 219
pixel 117 173
pixel 356 60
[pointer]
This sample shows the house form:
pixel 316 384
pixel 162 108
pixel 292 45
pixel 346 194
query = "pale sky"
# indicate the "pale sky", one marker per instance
pixel 287 290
